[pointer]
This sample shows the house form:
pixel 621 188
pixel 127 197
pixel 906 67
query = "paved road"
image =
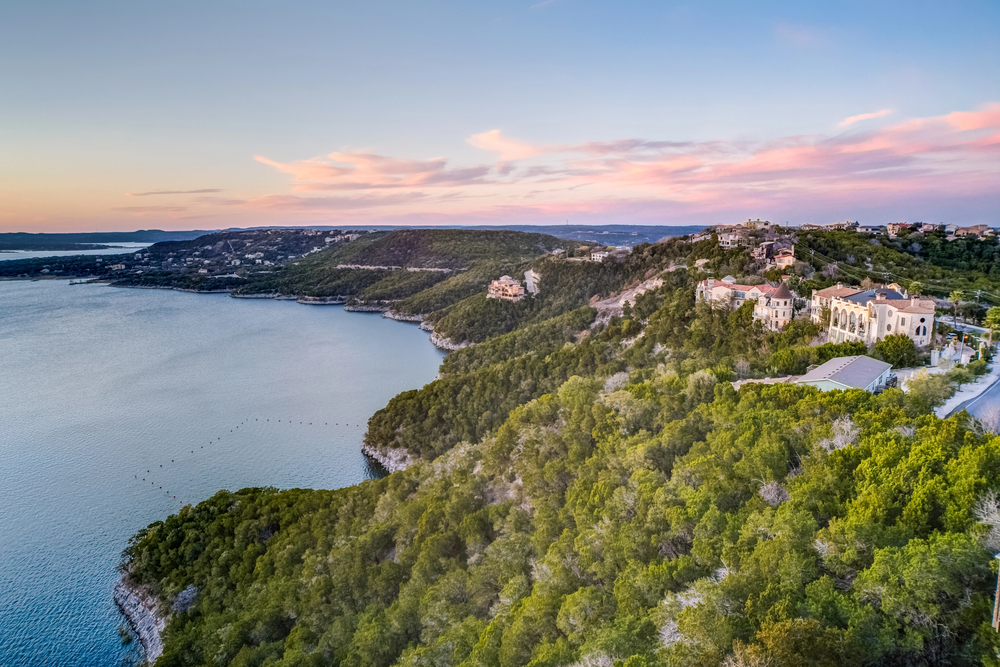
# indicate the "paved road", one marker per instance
pixel 979 405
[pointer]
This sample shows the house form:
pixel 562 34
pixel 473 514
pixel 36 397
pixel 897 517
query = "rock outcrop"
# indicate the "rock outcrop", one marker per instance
pixel 142 612
pixel 391 459
pixel 400 317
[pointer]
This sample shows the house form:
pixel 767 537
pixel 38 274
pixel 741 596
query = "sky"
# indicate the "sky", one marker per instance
pixel 209 114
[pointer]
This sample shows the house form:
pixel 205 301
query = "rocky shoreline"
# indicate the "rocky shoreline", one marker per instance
pixel 400 317
pixel 392 460
pixel 143 615
pixel 366 308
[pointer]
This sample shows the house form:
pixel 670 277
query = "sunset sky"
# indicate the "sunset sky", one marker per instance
pixel 201 115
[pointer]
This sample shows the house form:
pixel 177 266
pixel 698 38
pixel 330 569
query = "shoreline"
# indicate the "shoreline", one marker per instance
pixel 393 460
pixel 141 611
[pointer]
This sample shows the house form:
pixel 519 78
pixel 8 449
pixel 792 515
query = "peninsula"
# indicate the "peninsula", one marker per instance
pixel 616 470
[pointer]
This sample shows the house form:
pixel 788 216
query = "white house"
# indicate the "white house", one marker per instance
pixel 774 305
pixel 848 373
pixel 869 316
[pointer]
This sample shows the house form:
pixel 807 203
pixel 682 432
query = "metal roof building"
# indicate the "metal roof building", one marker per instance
pixel 848 373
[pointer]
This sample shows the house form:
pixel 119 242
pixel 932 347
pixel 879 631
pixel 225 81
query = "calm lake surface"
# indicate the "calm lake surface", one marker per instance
pixel 121 248
pixel 99 385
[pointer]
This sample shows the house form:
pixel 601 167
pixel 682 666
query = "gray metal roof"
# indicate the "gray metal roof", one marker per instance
pixel 857 372
pixel 872 294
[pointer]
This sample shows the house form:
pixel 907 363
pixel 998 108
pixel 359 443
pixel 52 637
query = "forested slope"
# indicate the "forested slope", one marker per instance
pixel 598 494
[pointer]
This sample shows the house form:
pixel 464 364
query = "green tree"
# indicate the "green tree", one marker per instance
pixel 956 298
pixel 992 321
pixel 897 349
pixel 928 391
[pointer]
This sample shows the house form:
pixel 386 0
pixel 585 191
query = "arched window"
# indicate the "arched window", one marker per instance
pixel 853 322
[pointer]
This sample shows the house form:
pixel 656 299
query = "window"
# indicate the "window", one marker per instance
pixel 888 327
pixel 902 322
pixel 922 320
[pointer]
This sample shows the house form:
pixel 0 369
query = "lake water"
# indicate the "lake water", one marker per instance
pixel 99 385
pixel 121 248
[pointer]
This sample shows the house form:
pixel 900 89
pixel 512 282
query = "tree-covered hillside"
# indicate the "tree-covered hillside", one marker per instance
pixel 391 266
pixel 655 522
pixel 592 491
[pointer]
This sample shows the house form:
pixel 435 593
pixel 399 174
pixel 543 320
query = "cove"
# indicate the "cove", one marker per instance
pixel 99 385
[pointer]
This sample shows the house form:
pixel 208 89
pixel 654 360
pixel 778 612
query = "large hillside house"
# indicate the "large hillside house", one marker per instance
pixel 868 316
pixel 733 238
pixel 774 305
pixel 505 289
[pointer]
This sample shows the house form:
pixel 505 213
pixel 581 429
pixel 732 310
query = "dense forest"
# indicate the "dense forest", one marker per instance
pixel 592 491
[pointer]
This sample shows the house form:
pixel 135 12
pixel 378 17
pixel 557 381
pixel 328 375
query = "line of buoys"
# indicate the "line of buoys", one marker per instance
pixel 232 430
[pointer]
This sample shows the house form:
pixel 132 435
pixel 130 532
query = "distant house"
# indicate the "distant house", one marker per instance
pixel 848 373
pixel 975 230
pixel 599 255
pixel 784 258
pixel 846 224
pixel 117 267
pixel 733 239
pixel 757 224
pixel 764 251
pixel 896 227
pixel 532 281
pixel 505 289
pixel 870 229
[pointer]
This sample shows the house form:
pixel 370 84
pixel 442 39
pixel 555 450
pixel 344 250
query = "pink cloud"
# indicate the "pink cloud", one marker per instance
pixel 509 149
pixel 368 171
pixel 951 162
pixel 851 120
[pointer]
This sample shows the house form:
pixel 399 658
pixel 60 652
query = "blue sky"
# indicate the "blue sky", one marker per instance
pixel 105 101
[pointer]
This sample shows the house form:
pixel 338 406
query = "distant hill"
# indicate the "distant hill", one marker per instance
pixel 462 261
pixel 615 235
pixel 88 240
pixel 444 248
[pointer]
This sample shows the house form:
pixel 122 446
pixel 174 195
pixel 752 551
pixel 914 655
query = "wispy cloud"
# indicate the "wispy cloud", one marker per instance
pixel 174 192
pixel 951 158
pixel 369 171
pixel 151 209
pixel 509 149
pixel 851 120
